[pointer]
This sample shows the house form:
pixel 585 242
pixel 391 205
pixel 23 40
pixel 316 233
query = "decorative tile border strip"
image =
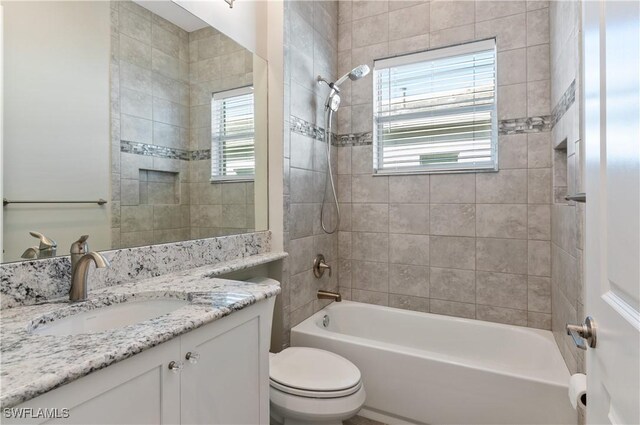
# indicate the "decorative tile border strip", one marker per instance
pixel 200 155
pixel 138 148
pixel 305 128
pixel 525 125
pixel 355 139
pixel 565 102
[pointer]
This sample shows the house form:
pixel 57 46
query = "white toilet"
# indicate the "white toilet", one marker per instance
pixel 311 386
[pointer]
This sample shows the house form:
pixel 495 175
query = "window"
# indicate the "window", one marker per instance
pixel 435 111
pixel 233 135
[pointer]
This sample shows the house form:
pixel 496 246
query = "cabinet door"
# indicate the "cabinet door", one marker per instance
pixel 139 390
pixel 223 387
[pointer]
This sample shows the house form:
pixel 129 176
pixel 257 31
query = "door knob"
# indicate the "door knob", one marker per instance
pixel 585 331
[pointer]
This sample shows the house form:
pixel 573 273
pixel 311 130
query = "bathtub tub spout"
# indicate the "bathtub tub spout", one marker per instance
pixel 328 295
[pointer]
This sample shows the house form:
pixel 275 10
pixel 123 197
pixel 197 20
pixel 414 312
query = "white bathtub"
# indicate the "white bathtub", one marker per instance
pixel 427 368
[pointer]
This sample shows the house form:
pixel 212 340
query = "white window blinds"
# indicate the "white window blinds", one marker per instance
pixel 233 135
pixel 435 111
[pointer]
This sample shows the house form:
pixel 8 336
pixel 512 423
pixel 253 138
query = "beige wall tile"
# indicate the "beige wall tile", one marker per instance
pixel 501 221
pixel 365 188
pixel 506 186
pixel 512 101
pixel 539 150
pixel 408 302
pixel 510 31
pixel 370 30
pixel 501 315
pixel 408 218
pixel 537 26
pixel 447 14
pixel 539 258
pixel 453 188
pixel 370 246
pixel 452 252
pixel 409 249
pixel 301 254
pixel 451 36
pixel 409 280
pixel 539 222
pixel 501 290
pixel 501 255
pixel 512 66
pixel 370 297
pixel 539 320
pixel 450 308
pixel 452 285
pixel 512 151
pixel 453 219
pixel 495 9
pixel 409 189
pixel 409 22
pixel 364 8
pixel 417 43
pixel 539 186
pixel 369 217
pixel 539 294
pixel 370 276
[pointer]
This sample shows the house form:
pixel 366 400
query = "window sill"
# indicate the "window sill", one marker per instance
pixel 232 180
pixel 416 172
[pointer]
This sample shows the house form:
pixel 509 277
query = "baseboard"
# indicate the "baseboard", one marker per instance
pixel 385 418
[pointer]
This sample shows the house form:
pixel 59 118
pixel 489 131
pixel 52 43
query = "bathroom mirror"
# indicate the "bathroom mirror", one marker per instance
pixel 135 123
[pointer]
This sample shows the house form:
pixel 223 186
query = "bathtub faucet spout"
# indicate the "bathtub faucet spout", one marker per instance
pixel 328 295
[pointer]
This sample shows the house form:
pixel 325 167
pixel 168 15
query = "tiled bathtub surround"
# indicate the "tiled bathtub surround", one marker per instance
pixel 567 218
pixel 30 282
pixel 310 50
pixel 162 81
pixel 473 245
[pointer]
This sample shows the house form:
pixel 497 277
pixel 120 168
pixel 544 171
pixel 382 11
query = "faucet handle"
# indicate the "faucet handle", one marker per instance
pixel 80 246
pixel 45 242
pixel 319 266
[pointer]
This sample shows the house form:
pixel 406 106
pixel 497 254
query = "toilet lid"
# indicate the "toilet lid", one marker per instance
pixel 313 370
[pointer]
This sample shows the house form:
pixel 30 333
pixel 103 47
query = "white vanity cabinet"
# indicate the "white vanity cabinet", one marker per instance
pixel 228 383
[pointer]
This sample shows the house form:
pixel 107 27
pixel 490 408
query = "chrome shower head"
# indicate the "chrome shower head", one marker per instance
pixel 355 74
pixel 358 72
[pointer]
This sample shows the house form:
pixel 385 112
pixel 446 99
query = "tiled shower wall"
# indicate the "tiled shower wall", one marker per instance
pixel 473 245
pixel 310 50
pixel 150 108
pixel 567 218
pixel 162 80
pixel 216 63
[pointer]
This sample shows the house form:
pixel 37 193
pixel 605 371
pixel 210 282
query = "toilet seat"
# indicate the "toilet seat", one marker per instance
pixel 314 394
pixel 313 373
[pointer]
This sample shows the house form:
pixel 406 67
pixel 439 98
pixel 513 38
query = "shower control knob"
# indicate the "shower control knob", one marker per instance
pixel 192 357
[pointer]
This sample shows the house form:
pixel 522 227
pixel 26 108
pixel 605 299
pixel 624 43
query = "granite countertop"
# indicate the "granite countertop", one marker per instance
pixel 33 364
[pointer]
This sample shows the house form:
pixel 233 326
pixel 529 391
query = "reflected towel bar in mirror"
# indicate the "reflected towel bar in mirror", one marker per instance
pixel 6 202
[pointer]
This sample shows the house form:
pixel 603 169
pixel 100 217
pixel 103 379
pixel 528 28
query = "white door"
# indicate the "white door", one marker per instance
pixel 611 36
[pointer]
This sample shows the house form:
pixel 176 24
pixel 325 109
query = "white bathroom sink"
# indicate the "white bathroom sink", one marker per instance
pixel 111 317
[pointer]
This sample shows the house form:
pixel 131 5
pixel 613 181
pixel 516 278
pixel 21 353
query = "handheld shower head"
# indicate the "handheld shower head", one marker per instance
pixel 355 74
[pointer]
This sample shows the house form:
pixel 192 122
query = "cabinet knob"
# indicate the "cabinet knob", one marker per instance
pixel 176 367
pixel 192 357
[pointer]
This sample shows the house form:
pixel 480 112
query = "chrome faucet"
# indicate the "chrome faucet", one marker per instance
pixel 328 295
pixel 79 274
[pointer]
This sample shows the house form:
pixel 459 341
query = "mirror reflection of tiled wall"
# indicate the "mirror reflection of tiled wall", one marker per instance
pixel 163 78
